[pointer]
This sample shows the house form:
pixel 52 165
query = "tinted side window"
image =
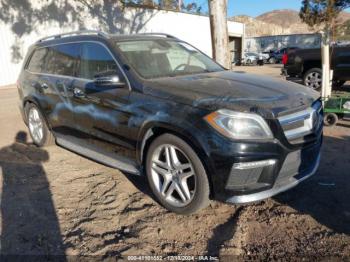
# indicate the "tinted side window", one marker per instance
pixel 38 60
pixel 95 60
pixel 63 59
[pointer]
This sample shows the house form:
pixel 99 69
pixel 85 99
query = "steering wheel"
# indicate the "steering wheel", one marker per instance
pixel 179 66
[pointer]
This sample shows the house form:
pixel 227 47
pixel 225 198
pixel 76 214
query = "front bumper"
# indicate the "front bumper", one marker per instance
pixel 279 187
pixel 239 177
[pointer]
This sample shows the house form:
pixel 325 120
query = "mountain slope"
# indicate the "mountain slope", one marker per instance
pixel 279 22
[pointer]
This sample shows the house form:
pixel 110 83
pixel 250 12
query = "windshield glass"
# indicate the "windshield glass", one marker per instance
pixel 165 58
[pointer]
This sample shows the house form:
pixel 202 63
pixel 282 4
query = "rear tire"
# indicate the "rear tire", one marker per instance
pixel 176 175
pixel 38 129
pixel 313 79
pixel 330 119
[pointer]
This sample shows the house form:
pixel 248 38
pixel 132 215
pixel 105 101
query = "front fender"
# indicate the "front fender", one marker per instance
pixel 185 130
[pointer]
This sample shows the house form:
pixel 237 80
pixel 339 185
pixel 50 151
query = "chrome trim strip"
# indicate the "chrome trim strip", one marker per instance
pixel 284 120
pixel 273 191
pixel 254 164
pixel 306 116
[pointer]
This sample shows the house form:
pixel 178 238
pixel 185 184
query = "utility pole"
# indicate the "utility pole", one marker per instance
pixel 219 32
pixel 326 70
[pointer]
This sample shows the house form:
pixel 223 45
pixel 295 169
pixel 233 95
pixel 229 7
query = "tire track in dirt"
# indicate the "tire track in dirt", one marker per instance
pixel 223 233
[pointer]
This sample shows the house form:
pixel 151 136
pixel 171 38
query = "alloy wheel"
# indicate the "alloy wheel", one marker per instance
pixel 35 125
pixel 314 80
pixel 173 175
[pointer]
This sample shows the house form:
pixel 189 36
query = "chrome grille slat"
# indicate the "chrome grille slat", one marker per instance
pixel 305 121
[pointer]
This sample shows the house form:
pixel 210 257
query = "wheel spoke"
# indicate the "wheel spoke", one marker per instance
pixel 167 155
pixel 186 175
pixel 160 170
pixel 186 190
pixel 36 134
pixel 161 164
pixel 183 191
pixel 183 167
pixel 174 159
pixel 170 190
pixel 165 185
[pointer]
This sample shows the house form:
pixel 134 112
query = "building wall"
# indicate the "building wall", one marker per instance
pixel 267 43
pixel 22 26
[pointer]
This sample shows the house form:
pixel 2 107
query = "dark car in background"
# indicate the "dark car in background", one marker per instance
pixel 275 56
pixel 306 64
pixel 155 106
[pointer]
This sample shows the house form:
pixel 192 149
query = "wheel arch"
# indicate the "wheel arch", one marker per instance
pixel 26 101
pixel 310 65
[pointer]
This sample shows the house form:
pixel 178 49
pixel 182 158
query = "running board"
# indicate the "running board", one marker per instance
pixel 106 158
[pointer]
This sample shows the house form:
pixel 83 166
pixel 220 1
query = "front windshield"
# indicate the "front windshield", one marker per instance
pixel 165 58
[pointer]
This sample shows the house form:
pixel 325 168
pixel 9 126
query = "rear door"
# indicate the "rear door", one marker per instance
pixel 102 113
pixel 60 72
pixel 49 73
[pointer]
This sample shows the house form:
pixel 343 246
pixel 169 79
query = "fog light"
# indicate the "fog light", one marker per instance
pixel 256 164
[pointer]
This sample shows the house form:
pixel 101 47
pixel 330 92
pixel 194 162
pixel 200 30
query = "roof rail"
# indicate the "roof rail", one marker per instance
pixel 82 32
pixel 159 34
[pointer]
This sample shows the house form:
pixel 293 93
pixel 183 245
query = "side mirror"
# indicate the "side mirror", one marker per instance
pixel 109 81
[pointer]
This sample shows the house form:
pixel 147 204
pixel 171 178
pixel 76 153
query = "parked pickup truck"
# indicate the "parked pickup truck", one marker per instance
pixel 306 64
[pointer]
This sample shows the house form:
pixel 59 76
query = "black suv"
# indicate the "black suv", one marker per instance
pixel 154 105
pixel 307 65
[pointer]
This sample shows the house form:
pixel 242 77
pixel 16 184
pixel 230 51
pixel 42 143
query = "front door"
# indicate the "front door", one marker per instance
pixel 101 111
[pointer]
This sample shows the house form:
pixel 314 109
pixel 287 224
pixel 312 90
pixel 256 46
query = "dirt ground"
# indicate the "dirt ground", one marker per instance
pixel 54 202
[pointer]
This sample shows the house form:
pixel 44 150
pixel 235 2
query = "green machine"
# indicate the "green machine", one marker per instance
pixel 335 107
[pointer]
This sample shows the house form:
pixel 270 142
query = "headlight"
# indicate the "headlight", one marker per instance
pixel 239 125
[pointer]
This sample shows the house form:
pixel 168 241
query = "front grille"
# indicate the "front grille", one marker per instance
pixel 302 123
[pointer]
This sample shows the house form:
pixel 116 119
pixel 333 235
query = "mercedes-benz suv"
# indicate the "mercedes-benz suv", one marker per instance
pixel 153 105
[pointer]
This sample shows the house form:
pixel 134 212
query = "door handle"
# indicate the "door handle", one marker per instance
pixel 78 92
pixel 44 86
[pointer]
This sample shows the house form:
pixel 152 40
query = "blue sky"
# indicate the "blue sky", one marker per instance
pixel 253 7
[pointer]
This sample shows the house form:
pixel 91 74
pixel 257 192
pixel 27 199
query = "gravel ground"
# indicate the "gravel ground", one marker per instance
pixel 54 202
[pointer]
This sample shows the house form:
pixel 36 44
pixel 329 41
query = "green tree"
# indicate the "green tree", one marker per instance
pixel 322 12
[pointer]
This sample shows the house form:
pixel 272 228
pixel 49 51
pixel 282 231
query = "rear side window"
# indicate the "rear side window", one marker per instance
pixel 95 60
pixel 62 59
pixel 38 60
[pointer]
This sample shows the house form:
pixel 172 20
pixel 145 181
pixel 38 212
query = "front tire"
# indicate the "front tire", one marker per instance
pixel 176 175
pixel 38 129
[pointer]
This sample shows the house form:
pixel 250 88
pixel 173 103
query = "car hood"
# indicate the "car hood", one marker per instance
pixel 233 90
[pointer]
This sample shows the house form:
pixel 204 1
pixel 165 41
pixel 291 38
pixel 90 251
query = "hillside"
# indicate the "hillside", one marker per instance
pixel 287 19
pixel 278 22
